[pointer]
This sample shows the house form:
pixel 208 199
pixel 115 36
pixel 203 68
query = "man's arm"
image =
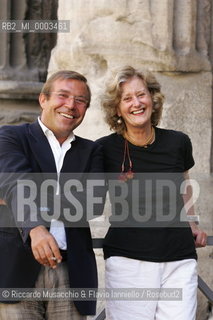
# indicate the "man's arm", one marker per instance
pixel 14 165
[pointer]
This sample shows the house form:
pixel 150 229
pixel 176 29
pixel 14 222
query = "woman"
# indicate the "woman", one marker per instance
pixel 154 255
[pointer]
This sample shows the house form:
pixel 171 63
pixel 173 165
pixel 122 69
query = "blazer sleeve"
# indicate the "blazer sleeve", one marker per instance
pixel 14 167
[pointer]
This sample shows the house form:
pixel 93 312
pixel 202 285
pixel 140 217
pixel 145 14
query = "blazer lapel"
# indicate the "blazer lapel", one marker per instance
pixel 76 158
pixel 41 148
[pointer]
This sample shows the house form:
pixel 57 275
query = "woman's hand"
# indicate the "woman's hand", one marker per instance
pixel 199 235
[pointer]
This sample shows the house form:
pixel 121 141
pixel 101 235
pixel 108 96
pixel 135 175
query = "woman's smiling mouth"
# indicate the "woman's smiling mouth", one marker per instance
pixel 138 111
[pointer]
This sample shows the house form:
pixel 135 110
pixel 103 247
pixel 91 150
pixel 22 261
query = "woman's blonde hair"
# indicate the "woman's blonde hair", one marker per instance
pixel 112 96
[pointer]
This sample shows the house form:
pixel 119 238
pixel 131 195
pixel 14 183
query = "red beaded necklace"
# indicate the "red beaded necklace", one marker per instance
pixel 129 174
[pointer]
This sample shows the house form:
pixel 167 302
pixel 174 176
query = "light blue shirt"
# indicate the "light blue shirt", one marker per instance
pixel 59 152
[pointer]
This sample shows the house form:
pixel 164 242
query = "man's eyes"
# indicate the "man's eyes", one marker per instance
pixel 80 100
pixel 77 100
pixel 63 95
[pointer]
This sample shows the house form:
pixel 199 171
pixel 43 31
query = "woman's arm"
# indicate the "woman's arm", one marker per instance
pixel 199 235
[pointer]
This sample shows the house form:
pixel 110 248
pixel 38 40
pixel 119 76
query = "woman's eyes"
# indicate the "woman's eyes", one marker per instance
pixel 128 99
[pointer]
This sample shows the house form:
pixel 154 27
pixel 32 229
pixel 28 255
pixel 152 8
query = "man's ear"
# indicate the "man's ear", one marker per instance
pixel 42 100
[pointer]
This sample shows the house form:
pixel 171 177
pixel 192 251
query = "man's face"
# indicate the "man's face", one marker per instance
pixel 64 109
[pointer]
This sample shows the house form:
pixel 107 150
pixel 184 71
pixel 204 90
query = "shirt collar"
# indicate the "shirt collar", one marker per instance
pixel 47 131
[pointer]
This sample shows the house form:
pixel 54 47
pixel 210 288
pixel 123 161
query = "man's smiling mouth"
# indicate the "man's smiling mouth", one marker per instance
pixel 66 115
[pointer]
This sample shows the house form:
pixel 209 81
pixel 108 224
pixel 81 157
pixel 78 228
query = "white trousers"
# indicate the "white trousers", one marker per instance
pixel 130 273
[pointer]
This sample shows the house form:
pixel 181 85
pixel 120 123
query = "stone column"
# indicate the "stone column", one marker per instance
pixel 210 46
pixel 162 24
pixel 4 37
pixel 24 59
pixel 13 55
pixel 184 26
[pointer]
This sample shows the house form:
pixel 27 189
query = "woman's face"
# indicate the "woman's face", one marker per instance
pixel 135 106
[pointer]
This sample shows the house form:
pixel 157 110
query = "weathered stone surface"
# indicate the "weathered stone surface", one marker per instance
pixel 18 111
pixel 159 34
pixel 188 108
pixel 205 255
pixel 20 89
pixel 25 56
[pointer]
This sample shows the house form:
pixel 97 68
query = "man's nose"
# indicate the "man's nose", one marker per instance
pixel 70 102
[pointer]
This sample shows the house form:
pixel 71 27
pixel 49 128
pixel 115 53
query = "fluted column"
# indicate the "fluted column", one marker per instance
pixel 184 26
pixel 162 29
pixel 24 57
pixel 4 37
pixel 211 59
pixel 12 52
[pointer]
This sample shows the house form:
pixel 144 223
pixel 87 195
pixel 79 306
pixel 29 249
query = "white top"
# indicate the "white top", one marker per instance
pixel 59 152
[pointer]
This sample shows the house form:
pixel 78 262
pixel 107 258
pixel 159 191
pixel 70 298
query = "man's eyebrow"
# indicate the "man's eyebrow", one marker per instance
pixel 63 90
pixel 68 92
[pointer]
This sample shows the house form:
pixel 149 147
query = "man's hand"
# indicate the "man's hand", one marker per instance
pixel 44 247
pixel 2 202
pixel 199 235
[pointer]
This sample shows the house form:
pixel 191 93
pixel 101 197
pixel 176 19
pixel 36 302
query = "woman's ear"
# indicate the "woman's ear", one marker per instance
pixel 118 112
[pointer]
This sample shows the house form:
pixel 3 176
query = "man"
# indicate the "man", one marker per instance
pixel 35 253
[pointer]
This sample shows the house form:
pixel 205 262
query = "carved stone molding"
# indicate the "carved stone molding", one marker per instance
pixel 167 35
pixel 17 117
pixel 24 57
pixel 20 89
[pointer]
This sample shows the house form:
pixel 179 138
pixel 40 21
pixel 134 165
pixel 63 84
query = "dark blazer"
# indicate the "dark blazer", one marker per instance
pixel 24 150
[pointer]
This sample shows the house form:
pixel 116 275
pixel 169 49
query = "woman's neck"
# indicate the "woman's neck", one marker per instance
pixel 140 137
